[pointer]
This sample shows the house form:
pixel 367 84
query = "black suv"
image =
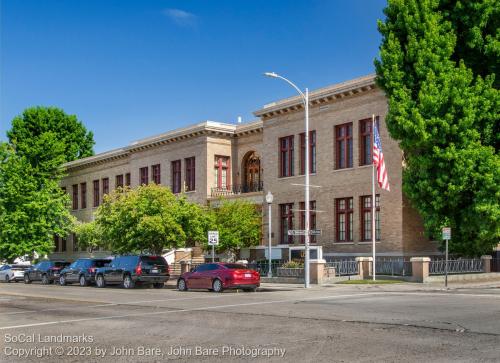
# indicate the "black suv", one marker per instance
pixel 132 269
pixel 82 271
pixel 44 271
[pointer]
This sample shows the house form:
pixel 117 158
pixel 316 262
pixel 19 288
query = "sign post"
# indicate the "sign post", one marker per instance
pixel 446 231
pixel 213 240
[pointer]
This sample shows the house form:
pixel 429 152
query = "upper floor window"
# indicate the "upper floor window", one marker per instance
pixel 366 141
pixel 312 152
pixel 97 198
pixel 119 181
pixel 221 172
pixel 75 196
pixel 83 194
pixel 105 186
pixel 127 179
pixel 366 217
pixel 312 219
pixel 176 176
pixel 286 156
pixel 344 219
pixel 155 170
pixel 286 222
pixel 143 175
pixel 190 173
pixel 343 146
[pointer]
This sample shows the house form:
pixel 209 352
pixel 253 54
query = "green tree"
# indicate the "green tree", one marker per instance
pixel 32 210
pixel 89 235
pixel 48 137
pixel 239 225
pixel 443 109
pixel 145 219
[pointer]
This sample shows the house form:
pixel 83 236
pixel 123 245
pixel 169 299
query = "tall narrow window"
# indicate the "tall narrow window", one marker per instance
pixel 286 222
pixel 366 141
pixel 63 245
pixel 83 195
pixel 143 175
pixel 119 181
pixel 344 219
pixel 366 217
pixel 127 179
pixel 312 219
pixel 75 242
pixel 97 197
pixel 221 172
pixel 105 186
pixel 190 173
pixel 176 176
pixel 343 146
pixel 155 170
pixel 75 196
pixel 312 152
pixel 286 156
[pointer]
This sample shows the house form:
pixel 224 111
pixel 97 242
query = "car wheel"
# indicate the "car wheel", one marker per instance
pixel 217 285
pixel 83 280
pixel 62 280
pixel 99 281
pixel 181 285
pixel 158 285
pixel 252 289
pixel 128 283
pixel 27 279
pixel 7 278
pixel 45 279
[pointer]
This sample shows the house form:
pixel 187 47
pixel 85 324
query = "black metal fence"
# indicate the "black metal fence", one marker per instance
pixel 263 267
pixel 393 267
pixel 237 189
pixel 344 267
pixel 473 265
pixel 495 265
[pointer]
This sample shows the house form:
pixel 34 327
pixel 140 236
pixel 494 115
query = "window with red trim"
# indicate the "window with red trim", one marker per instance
pixel 312 219
pixel 97 198
pixel 190 165
pixel 119 181
pixel 156 174
pixel 75 196
pixel 83 195
pixel 105 186
pixel 366 141
pixel 366 217
pixel 312 152
pixel 286 156
pixel 286 222
pixel 176 176
pixel 344 215
pixel 127 179
pixel 143 176
pixel 222 176
pixel 343 146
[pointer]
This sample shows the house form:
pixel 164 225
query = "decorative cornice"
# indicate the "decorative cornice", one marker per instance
pixel 318 97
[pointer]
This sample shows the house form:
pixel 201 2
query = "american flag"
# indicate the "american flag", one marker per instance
pixel 378 160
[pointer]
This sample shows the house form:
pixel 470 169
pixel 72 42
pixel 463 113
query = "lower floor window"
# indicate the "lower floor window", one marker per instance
pixel 344 219
pixel 366 217
pixel 286 222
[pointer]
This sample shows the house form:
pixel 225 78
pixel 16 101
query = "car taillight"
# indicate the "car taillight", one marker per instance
pixel 91 270
pixel 138 269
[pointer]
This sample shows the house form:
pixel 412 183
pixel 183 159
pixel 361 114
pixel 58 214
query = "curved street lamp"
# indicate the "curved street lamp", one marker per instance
pixel 305 100
pixel 269 200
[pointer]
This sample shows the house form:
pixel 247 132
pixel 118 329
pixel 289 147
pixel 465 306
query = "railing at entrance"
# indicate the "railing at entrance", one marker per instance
pixel 237 189
pixel 344 267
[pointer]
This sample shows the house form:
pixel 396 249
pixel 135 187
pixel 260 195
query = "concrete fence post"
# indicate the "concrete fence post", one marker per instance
pixel 317 271
pixel 364 267
pixel 486 263
pixel 185 266
pixel 420 268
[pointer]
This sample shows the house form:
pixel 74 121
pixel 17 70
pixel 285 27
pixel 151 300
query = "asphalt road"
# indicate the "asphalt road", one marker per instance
pixel 405 322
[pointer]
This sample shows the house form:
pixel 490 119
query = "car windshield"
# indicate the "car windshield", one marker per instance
pixel 153 260
pixel 60 264
pixel 235 266
pixel 20 267
pixel 101 263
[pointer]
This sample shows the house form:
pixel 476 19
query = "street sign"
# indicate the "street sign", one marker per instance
pixel 296 232
pixel 315 232
pixel 446 233
pixel 213 238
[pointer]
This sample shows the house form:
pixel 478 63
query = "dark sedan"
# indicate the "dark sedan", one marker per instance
pixel 82 271
pixel 44 271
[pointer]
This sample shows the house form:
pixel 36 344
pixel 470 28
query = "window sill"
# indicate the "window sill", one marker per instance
pixel 294 176
pixel 343 243
pixel 190 191
pixel 367 242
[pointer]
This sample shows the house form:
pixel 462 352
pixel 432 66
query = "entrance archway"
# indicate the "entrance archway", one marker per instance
pixel 251 173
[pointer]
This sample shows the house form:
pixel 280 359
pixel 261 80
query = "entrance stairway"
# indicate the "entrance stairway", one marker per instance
pixel 194 257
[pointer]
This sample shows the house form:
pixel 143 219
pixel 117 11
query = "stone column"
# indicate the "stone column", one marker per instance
pixel 420 268
pixel 317 271
pixel 486 263
pixel 365 265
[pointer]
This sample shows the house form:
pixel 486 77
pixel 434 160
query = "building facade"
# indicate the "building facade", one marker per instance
pixel 211 159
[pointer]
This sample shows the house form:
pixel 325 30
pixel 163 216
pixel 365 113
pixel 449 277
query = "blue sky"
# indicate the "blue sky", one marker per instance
pixel 131 69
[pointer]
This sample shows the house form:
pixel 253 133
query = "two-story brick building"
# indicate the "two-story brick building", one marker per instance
pixel 212 159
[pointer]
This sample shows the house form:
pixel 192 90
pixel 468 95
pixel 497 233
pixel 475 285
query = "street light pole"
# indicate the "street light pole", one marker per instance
pixel 305 100
pixel 269 200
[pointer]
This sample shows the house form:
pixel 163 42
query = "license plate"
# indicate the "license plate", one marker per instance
pixel 248 276
pixel 154 271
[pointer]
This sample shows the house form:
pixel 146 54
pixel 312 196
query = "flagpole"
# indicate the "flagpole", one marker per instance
pixel 373 200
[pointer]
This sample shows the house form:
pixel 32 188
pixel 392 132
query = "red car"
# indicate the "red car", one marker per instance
pixel 219 276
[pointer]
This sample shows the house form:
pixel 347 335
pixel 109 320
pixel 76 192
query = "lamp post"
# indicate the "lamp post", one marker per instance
pixel 269 200
pixel 305 100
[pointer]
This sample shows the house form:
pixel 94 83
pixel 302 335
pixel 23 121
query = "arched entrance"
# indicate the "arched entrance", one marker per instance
pixel 251 173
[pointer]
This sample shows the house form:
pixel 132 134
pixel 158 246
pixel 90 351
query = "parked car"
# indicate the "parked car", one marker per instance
pixel 219 276
pixel 10 273
pixel 132 269
pixel 44 271
pixel 82 271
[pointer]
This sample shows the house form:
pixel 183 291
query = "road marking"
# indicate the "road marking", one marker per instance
pixel 214 307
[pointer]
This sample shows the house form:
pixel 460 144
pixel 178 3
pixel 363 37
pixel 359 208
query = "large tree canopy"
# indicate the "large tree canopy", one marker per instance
pixel 438 66
pixel 32 210
pixel 48 137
